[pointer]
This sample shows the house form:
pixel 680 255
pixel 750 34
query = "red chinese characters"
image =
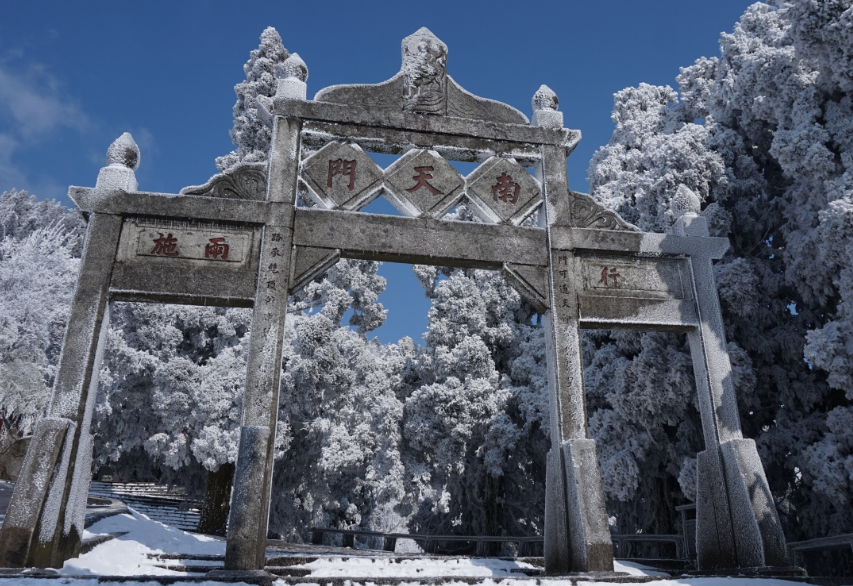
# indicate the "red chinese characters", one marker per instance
pixel 506 189
pixel 423 174
pixel 343 168
pixel 612 275
pixel 165 245
pixel 217 249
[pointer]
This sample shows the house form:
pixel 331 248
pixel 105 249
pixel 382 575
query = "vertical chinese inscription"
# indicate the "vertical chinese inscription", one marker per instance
pixel 564 325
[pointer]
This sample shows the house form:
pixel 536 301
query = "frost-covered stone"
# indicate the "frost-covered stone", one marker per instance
pixel 122 160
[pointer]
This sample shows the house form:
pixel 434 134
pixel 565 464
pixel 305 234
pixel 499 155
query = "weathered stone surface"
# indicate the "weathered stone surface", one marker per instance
pixel 246 521
pixel 422 184
pixel 420 240
pixel 253 479
pixel 589 532
pixel 558 553
pixel 18 533
pixel 311 262
pixel 342 176
pixel 168 205
pixel 503 191
pixel 531 282
pixel 189 263
pixel 744 468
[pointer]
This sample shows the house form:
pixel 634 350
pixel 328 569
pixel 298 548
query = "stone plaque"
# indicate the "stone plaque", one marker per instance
pixel 503 191
pixel 639 277
pixel 422 183
pixel 206 244
pixel 342 176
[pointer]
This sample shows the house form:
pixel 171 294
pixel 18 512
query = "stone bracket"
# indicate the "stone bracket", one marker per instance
pixel 530 281
pixel 309 262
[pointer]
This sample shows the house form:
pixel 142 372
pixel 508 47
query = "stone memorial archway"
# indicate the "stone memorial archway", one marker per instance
pixel 240 240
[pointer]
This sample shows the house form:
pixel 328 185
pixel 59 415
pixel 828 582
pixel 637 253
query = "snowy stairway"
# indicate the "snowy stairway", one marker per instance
pixel 293 569
pixel 168 506
pixel 282 566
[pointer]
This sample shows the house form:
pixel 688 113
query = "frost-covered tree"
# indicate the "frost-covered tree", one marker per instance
pixel 39 261
pixel 37 277
pixel 251 135
pixel 763 135
pixel 475 411
pixel 339 410
pixel 171 390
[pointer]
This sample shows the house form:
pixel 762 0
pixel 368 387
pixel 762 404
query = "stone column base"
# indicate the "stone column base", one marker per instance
pixel 577 535
pixel 736 521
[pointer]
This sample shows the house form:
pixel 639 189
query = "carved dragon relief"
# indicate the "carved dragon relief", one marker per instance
pixel 242 181
pixel 422 87
pixel 587 213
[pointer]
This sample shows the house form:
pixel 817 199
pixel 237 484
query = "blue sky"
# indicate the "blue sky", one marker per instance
pixel 75 75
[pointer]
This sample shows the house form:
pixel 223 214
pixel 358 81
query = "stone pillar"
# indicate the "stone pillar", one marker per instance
pixel 737 525
pixel 249 515
pixel 577 535
pixel 44 523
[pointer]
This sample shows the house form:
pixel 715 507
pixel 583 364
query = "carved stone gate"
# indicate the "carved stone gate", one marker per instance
pixel 240 240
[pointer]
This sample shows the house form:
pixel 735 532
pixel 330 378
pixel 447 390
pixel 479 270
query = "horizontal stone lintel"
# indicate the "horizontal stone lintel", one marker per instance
pixel 420 240
pixel 637 313
pixel 394 141
pixel 172 206
pixel 158 282
pixel 626 243
pixel 427 123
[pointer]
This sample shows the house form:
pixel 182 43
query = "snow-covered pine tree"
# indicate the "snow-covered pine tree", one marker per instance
pixel 762 135
pixel 161 371
pixel 251 135
pixel 476 417
pixel 39 261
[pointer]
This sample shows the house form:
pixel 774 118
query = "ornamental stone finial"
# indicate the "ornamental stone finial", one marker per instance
pixel 685 207
pixel 291 83
pixel 545 99
pixel 124 152
pixel 122 160
pixel 545 104
pixel 684 202
pixel 294 67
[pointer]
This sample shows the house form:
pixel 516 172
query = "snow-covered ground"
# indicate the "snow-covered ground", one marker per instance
pixel 128 555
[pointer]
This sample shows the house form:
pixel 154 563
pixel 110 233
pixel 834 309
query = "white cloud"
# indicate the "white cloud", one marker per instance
pixel 35 103
pixel 10 175
pixel 32 106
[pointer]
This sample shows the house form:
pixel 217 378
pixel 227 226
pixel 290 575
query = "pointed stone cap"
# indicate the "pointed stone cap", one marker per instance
pixel 291 85
pixel 122 161
pixel 545 104
pixel 545 99
pixel 423 41
pixel 294 68
pixel 684 202
pixel 124 152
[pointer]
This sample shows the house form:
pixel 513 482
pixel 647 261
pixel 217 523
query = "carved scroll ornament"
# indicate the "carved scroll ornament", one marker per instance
pixel 242 181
